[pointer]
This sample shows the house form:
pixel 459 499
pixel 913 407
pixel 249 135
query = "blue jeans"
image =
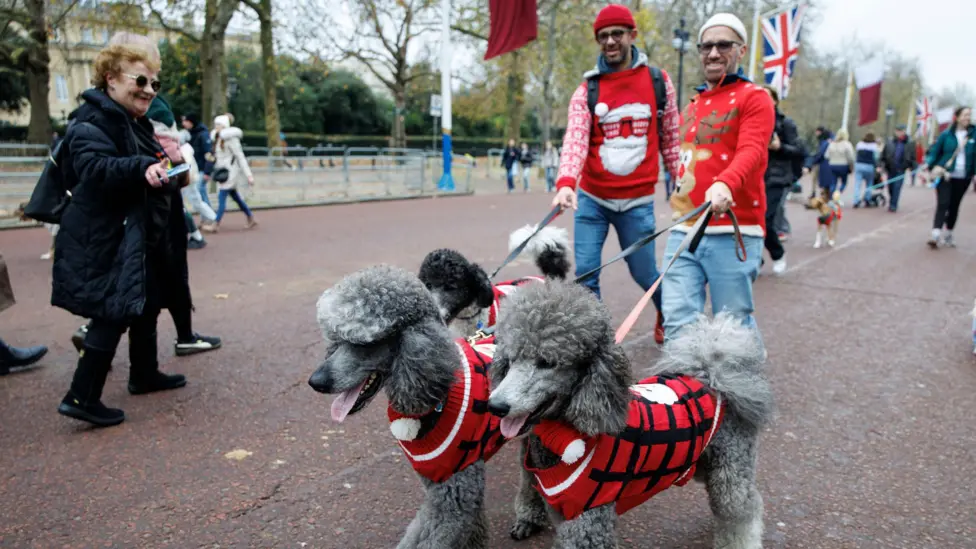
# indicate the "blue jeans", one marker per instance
pixel 222 203
pixel 592 223
pixel 510 177
pixel 863 179
pixel 202 185
pixel 550 179
pixel 714 263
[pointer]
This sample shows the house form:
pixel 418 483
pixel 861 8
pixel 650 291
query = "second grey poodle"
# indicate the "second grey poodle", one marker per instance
pixel 559 377
pixel 384 330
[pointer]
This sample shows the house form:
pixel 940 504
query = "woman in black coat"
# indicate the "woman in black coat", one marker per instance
pixel 116 260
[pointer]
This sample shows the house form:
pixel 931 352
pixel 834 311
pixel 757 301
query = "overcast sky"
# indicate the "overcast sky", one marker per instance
pixel 936 32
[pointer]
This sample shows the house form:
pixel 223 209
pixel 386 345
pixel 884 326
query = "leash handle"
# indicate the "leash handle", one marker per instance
pixel 553 214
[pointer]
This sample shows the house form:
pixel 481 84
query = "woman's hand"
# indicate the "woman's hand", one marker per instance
pixel 156 174
pixel 250 179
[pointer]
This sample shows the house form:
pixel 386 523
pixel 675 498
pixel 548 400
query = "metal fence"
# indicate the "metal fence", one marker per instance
pixel 285 176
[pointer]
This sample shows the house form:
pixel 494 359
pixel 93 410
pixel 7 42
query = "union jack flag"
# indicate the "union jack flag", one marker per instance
pixel 781 47
pixel 924 109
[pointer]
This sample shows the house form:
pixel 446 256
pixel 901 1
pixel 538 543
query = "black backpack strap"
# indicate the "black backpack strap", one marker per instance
pixel 592 93
pixel 660 96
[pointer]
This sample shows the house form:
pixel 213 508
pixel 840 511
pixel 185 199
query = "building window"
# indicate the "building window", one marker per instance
pixel 87 37
pixel 104 36
pixel 61 87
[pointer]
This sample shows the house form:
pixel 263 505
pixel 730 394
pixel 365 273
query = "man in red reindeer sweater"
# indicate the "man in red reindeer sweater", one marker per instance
pixel 725 133
pixel 619 119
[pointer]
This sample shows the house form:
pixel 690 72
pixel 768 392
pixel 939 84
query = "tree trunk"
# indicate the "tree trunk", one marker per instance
pixel 38 75
pixel 212 65
pixel 269 74
pixel 514 97
pixel 399 131
pixel 547 100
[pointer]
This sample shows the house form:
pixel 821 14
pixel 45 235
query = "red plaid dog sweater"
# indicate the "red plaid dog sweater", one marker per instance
pixel 462 430
pixel 503 289
pixel 671 421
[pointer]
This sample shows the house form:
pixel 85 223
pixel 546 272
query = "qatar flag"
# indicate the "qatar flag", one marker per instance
pixel 943 117
pixel 869 76
pixel 513 24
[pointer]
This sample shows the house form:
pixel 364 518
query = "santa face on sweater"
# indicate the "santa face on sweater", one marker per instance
pixel 624 145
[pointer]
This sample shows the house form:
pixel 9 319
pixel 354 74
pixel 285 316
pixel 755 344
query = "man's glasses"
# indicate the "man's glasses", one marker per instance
pixel 724 46
pixel 616 34
pixel 142 80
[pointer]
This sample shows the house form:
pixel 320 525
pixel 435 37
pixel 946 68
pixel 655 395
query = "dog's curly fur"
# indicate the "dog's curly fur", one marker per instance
pixel 462 289
pixel 382 322
pixel 556 359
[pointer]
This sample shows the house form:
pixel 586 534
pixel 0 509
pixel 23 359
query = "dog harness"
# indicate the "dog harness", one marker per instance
pixel 835 213
pixel 670 422
pixel 503 289
pixel 459 431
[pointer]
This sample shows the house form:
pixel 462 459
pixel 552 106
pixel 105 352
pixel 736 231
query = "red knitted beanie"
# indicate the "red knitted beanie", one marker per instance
pixel 614 14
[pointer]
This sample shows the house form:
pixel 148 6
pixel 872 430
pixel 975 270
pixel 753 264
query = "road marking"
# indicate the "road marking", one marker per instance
pixel 884 229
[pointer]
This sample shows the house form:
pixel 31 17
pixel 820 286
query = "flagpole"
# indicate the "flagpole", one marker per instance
pixel 755 42
pixel 911 111
pixel 447 182
pixel 847 98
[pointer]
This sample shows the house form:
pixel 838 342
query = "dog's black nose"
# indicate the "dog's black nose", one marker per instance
pixel 499 409
pixel 319 381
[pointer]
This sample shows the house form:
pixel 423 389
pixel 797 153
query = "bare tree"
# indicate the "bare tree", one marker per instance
pixel 269 71
pixel 217 17
pixel 381 36
pixel 24 26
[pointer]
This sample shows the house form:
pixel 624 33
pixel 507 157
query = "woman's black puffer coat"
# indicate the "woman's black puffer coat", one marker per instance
pixel 100 251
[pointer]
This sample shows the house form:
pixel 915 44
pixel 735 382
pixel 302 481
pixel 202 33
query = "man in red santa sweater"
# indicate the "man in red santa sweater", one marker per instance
pixel 725 133
pixel 620 118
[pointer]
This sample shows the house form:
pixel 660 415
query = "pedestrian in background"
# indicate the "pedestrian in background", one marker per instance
pixel 550 163
pixel 229 156
pixel 898 159
pixel 952 161
pixel 865 164
pixel 526 160
pixel 840 157
pixel 510 161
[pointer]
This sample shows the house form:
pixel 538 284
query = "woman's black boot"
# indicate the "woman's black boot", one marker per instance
pixel 83 400
pixel 144 374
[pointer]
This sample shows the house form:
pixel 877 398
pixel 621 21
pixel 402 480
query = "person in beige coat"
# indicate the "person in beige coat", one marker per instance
pixel 840 155
pixel 229 157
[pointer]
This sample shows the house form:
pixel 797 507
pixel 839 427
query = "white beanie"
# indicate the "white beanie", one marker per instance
pixel 222 120
pixel 725 20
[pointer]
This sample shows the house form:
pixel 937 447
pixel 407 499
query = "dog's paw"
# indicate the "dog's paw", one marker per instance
pixel 525 529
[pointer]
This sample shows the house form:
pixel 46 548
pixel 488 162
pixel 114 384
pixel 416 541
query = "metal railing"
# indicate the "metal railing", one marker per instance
pixel 302 174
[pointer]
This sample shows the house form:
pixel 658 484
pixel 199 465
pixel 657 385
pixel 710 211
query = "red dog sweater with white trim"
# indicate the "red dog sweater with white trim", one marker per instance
pixel 503 289
pixel 725 134
pixel 671 421
pixel 462 431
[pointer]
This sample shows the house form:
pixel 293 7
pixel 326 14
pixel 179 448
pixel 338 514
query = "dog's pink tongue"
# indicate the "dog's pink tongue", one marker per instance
pixel 344 403
pixel 511 426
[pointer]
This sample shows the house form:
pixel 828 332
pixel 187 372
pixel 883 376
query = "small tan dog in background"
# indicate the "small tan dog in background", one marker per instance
pixel 828 222
pixel 53 229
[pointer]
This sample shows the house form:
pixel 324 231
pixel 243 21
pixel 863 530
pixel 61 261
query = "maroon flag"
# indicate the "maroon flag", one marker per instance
pixel 869 77
pixel 514 23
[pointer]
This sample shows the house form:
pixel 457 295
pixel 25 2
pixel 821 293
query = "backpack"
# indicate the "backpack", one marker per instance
pixel 50 196
pixel 660 95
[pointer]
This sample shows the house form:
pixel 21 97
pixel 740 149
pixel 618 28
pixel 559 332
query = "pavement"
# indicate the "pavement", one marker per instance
pixel 870 358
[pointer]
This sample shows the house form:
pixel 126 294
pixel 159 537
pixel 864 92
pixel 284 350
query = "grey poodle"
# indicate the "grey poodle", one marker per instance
pixel 600 442
pixel 384 330
pixel 465 296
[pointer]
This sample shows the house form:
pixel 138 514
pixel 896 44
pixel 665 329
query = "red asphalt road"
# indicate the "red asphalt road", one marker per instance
pixel 869 355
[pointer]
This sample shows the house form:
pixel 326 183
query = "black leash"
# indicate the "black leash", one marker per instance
pixel 692 246
pixel 553 214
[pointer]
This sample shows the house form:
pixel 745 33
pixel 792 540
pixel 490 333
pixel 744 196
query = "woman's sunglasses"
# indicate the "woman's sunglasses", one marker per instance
pixel 142 80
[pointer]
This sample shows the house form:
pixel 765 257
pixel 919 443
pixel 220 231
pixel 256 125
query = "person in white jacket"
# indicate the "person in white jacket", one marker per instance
pixel 229 155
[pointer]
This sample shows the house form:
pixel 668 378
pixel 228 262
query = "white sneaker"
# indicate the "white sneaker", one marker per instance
pixel 830 243
pixel 46 255
pixel 779 266
pixel 819 242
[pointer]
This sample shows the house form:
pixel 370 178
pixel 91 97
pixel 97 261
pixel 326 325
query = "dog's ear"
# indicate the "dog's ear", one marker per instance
pixel 500 364
pixel 600 401
pixel 423 368
pixel 484 294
